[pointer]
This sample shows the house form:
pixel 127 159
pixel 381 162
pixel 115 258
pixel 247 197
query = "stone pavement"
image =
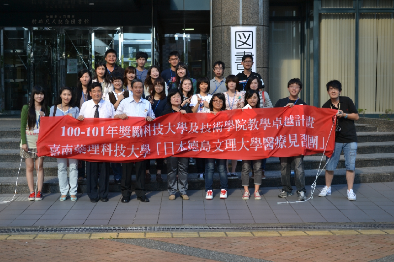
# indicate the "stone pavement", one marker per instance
pixel 322 229
pixel 375 203
pixel 345 245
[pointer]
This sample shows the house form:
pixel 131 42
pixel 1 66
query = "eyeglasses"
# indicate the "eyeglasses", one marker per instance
pixel 218 68
pixel 218 101
pixel 117 81
pixel 174 59
pixel 248 61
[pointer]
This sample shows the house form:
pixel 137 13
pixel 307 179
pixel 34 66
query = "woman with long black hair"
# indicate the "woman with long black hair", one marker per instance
pixel 64 107
pixel 30 128
pixel 84 84
pixel 102 76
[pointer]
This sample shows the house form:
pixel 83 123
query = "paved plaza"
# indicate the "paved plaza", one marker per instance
pixel 375 203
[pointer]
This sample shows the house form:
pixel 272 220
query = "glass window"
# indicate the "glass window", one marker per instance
pixel 376 66
pixel 337 56
pixel 377 4
pixel 285 55
pixel 136 40
pixel 337 3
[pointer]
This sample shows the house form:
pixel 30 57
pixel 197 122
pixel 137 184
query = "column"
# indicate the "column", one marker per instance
pixel 227 13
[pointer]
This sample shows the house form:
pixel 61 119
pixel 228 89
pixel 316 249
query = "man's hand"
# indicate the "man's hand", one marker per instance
pixel 121 116
pixel 80 118
pixel 148 118
pixel 289 105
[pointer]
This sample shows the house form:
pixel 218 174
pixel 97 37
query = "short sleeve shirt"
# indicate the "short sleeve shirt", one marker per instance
pixel 201 108
pixel 348 129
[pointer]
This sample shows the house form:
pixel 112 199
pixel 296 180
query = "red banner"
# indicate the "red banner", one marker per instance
pixel 235 134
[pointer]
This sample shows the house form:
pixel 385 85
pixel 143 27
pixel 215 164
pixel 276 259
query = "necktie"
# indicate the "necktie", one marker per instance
pixel 96 113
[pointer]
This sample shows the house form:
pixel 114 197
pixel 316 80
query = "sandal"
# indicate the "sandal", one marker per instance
pixel 73 198
pixel 63 198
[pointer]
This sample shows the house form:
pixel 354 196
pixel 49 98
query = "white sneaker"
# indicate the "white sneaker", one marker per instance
pixel 209 195
pixel 351 195
pixel 223 194
pixel 326 191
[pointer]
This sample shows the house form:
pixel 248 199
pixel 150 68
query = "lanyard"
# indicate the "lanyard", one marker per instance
pixel 38 121
pixel 83 95
pixel 228 98
pixel 154 111
pixel 217 86
pixel 288 100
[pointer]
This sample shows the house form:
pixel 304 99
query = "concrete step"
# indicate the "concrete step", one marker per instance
pixel 366 128
pixel 363 175
pixel 375 136
pixel 10 169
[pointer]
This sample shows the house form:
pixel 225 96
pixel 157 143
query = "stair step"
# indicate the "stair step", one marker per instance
pixel 363 137
pixel 10 168
pixel 363 175
pixel 366 128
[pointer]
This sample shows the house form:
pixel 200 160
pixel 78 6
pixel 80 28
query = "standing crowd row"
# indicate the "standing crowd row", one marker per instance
pixel 115 92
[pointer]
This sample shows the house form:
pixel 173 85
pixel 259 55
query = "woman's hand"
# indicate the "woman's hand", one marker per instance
pixel 25 148
pixel 206 104
pixel 182 111
pixel 290 105
pixel 148 118
pixel 80 118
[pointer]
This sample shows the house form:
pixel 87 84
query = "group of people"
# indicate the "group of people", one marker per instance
pixel 115 92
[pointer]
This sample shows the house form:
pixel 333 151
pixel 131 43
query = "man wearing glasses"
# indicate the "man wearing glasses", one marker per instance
pixel 247 63
pixel 218 83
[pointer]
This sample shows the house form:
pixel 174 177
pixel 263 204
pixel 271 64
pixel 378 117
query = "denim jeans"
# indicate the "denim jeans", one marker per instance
pixel 209 169
pixel 350 152
pixel 285 163
pixel 62 175
pixel 117 170
pixel 246 168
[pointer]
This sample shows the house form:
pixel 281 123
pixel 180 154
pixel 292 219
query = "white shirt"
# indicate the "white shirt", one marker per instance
pixel 107 87
pixel 106 109
pixel 201 108
pixel 130 107
pixel 106 98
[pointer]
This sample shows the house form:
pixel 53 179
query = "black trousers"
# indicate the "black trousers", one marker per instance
pixel 125 185
pixel 97 174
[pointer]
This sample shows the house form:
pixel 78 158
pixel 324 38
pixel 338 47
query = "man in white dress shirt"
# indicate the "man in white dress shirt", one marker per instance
pixel 97 172
pixel 134 106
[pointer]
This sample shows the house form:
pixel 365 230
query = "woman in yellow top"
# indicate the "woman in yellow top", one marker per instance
pixel 30 127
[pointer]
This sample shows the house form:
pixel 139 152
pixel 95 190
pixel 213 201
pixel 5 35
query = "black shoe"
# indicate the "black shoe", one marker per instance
pixel 125 199
pixel 143 199
pixel 159 179
pixel 104 199
pixel 147 178
pixel 94 200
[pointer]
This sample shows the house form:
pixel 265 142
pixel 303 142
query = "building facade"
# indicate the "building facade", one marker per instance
pixel 44 42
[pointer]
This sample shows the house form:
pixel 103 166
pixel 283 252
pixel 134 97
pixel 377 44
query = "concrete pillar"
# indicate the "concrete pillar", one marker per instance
pixel 227 13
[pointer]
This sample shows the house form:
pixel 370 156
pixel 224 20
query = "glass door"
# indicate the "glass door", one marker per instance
pixel 103 39
pixel 17 49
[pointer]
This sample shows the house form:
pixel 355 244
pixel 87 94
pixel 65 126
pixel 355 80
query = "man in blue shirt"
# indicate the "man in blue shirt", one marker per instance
pixel 169 75
pixel 141 72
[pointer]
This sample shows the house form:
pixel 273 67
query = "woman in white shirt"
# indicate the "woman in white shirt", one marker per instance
pixel 103 78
